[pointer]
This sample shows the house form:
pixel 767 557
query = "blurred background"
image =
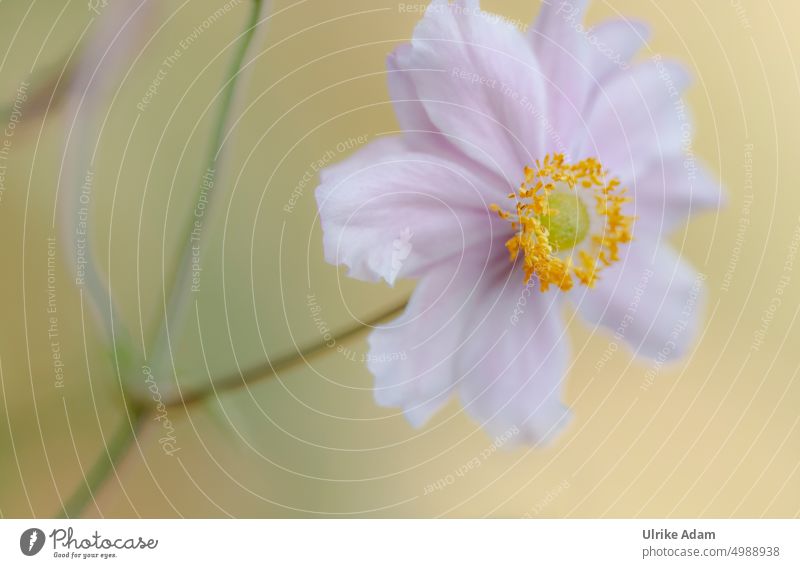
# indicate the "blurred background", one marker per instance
pixel 122 160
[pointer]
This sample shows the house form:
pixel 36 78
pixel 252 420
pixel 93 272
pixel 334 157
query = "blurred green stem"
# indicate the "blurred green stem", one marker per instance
pixel 126 434
pixel 175 305
pixel 176 300
pixel 122 440
pixel 106 464
pixel 269 369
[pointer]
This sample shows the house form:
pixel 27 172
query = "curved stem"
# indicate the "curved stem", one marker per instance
pixel 126 434
pixel 106 464
pixel 269 369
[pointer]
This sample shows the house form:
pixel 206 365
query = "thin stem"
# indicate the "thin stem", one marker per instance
pixel 123 438
pixel 176 303
pixel 270 369
pixel 126 434
pixel 106 464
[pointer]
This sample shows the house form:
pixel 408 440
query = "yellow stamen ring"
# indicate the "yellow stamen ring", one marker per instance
pixel 551 220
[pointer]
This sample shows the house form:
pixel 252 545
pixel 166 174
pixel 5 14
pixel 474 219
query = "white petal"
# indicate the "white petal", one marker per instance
pixel 515 360
pixel 651 299
pixel 461 331
pixel 480 84
pixel 414 357
pixel 408 107
pixel 638 118
pixel 561 47
pixel 390 213
pixel 613 45
pixel 669 192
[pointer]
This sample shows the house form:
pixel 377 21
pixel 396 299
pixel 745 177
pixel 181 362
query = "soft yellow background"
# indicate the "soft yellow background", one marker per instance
pixel 716 435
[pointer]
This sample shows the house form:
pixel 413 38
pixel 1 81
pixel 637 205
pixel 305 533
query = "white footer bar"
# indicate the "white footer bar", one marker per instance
pixel 389 543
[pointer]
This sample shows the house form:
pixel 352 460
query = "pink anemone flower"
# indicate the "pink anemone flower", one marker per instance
pixel 534 168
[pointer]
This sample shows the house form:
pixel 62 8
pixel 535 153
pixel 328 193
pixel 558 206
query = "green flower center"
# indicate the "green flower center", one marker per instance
pixel 566 220
pixel 550 216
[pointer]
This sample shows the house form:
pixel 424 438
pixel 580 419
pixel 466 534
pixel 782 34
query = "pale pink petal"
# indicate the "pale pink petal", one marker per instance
pixel 387 212
pixel 480 85
pixel 562 50
pixel 420 134
pixel 460 331
pixel 559 17
pixel 613 45
pixel 515 360
pixel 639 117
pixel 669 192
pixel 413 359
pixel 651 299
pixel 411 114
